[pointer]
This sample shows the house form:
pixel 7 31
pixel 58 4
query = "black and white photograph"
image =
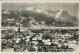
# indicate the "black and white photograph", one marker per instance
pixel 40 27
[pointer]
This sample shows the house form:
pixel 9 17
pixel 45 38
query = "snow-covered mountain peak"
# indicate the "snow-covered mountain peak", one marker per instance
pixel 37 9
pixel 29 8
pixel 59 13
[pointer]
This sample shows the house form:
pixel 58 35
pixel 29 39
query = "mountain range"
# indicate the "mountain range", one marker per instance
pixel 37 16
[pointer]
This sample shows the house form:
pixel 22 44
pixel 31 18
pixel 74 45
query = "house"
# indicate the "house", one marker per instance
pixel 46 42
pixel 10 20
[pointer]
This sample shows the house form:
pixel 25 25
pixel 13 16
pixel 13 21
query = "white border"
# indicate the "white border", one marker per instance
pixel 34 1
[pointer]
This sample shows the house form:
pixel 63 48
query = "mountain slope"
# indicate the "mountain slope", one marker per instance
pixel 56 18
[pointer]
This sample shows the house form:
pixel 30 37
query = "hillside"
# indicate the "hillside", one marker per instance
pixel 37 17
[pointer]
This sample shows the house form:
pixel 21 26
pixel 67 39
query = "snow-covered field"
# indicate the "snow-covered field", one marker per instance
pixel 36 27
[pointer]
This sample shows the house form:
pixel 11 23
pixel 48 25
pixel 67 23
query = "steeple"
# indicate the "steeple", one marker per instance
pixel 19 29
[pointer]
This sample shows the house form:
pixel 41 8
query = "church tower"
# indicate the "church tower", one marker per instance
pixel 19 29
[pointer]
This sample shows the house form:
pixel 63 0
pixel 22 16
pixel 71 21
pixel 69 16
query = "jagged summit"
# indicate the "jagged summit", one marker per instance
pixel 51 18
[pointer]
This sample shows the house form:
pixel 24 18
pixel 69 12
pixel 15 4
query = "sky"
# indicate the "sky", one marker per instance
pixel 71 8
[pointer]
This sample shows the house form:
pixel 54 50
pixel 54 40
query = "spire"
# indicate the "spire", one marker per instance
pixel 19 29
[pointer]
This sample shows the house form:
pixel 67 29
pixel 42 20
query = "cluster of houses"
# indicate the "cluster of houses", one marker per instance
pixel 38 40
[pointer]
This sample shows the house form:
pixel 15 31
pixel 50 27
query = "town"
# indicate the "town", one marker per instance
pixel 40 40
